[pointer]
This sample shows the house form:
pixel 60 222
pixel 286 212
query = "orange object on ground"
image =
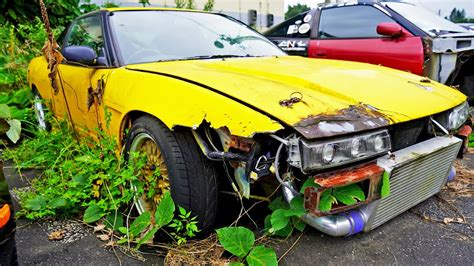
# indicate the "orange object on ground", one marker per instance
pixel 4 215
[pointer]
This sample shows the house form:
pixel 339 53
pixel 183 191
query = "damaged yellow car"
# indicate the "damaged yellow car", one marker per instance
pixel 209 101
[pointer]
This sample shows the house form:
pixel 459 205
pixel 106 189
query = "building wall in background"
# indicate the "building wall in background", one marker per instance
pixel 236 8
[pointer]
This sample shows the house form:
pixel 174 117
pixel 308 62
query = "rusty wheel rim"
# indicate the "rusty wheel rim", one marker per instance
pixel 154 175
pixel 40 113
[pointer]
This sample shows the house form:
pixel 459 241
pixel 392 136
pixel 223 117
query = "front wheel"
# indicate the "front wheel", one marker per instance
pixel 173 162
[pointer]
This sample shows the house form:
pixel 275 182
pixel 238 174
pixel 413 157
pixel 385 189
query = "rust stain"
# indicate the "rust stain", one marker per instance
pixel 94 96
pixel 239 143
pixel 352 119
pixel 371 172
pixel 347 177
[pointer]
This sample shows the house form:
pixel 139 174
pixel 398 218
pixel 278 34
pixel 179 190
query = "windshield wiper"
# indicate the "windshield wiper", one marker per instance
pixel 215 56
pixel 441 32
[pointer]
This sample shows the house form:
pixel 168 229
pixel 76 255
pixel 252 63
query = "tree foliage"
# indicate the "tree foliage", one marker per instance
pixel 60 12
pixel 144 2
pixel 209 6
pixel 295 10
pixel 459 16
pixel 180 3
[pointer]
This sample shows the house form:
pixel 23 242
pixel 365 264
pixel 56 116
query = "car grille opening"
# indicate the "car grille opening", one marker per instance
pixel 407 134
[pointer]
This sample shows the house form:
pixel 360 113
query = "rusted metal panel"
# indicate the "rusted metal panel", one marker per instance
pixel 371 172
pixel 348 120
pixel 347 176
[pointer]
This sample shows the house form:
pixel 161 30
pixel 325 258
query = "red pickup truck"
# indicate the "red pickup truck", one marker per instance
pixel 389 33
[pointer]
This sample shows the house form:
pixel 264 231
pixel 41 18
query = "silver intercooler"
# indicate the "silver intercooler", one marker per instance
pixel 416 173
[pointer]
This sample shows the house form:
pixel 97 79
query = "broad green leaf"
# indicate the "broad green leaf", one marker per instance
pixel 293 213
pixel 4 97
pixel 58 203
pixel 5 111
pixel 12 14
pixel 268 224
pixel 140 223
pixel 326 201
pixel 278 203
pixel 262 256
pixel 37 203
pixel 279 219
pixel 236 240
pixel 299 224
pixel 182 211
pixel 80 180
pixel 123 230
pixel 285 232
pixel 385 190
pixel 112 219
pixel 349 195
pixel 149 235
pixel 165 210
pixel 20 114
pixel 15 130
pixel 236 263
pixel 92 214
pixel 297 204
pixel 308 183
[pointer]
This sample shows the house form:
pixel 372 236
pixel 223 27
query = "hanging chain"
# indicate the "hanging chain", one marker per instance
pixel 51 50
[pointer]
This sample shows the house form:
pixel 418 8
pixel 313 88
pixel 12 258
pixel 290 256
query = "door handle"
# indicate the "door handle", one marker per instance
pixel 321 54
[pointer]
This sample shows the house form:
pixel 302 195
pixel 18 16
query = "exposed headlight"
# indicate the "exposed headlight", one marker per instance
pixel 325 154
pixel 328 153
pixel 458 116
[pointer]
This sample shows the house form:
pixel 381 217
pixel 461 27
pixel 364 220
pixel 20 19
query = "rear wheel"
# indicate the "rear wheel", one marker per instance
pixel 174 162
pixel 40 111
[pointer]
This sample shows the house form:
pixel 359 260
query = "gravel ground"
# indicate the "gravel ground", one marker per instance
pixel 419 236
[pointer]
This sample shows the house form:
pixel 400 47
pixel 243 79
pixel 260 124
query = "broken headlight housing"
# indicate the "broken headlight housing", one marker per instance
pixel 458 116
pixel 331 153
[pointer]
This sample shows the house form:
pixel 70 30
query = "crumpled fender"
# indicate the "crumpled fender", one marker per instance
pixel 179 102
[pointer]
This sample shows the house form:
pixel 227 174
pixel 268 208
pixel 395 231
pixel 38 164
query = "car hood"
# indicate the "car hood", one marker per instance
pixel 318 98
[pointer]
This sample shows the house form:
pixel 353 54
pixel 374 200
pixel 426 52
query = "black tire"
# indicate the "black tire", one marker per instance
pixel 192 177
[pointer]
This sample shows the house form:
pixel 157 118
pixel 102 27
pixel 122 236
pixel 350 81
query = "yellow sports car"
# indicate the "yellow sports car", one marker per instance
pixel 209 100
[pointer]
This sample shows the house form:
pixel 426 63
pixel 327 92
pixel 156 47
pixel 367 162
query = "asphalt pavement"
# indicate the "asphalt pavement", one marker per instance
pixel 432 233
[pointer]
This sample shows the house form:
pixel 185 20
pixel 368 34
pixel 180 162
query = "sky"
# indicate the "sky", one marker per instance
pixel 445 6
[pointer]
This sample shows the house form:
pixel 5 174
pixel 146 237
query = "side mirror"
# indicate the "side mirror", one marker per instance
pixel 80 54
pixel 390 29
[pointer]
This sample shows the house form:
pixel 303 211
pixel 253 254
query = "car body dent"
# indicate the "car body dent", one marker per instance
pixel 180 103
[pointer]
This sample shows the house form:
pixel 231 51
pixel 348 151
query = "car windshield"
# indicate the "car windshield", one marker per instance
pixel 425 20
pixel 159 35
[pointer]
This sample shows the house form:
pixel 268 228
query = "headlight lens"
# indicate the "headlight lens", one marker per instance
pixel 358 147
pixel 321 155
pixel 458 116
pixel 328 153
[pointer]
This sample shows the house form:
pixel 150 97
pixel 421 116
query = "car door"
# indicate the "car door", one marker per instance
pixel 292 36
pixel 81 82
pixel 350 33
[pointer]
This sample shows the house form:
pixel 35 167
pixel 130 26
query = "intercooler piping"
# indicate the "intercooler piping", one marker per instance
pixel 344 224
pixel 452 174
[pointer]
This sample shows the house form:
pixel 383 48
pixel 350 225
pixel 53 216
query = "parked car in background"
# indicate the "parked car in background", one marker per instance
pixel 7 224
pixel 389 33
pixel 208 100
